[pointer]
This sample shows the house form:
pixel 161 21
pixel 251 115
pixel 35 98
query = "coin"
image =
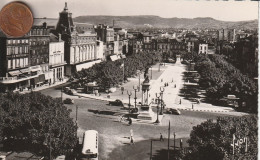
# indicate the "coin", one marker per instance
pixel 16 19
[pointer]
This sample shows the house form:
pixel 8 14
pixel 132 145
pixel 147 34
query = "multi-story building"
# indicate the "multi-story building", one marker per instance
pixel 135 45
pixel 100 50
pixel 246 55
pixel 147 40
pixel 203 48
pixel 39 39
pixel 223 35
pixel 80 46
pixel 232 35
pixel 56 58
pixel 106 34
pixel 15 73
pixel 163 45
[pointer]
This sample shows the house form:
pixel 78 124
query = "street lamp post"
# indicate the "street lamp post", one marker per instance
pixel 161 94
pixel 151 71
pixel 135 88
pixel 129 104
pixel 159 66
pixel 158 99
pixel 139 73
pixel 151 150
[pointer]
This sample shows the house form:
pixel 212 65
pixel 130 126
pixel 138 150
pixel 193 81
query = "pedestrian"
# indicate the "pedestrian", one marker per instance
pixel 131 140
pixel 175 86
pixel 161 137
pixel 130 121
pixel 180 101
pixel 181 143
pixel 164 84
pixel 167 84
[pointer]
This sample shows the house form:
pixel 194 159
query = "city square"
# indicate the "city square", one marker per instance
pixel 132 80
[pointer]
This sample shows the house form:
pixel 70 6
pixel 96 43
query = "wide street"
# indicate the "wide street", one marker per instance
pixel 114 135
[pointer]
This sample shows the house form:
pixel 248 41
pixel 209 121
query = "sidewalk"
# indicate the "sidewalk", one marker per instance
pixel 171 74
pixel 46 86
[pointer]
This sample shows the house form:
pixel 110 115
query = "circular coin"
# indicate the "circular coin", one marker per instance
pixel 16 19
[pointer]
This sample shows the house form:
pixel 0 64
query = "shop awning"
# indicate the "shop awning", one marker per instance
pixel 39 79
pixel 86 65
pixel 26 70
pixel 35 68
pixel 15 73
pixel 114 57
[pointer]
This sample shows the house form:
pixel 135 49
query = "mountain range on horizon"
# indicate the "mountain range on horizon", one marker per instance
pixel 141 21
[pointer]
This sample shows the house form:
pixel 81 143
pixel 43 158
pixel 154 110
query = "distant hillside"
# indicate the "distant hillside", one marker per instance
pixel 156 21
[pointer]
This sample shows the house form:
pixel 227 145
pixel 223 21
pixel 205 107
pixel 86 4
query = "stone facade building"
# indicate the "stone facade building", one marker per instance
pixel 56 58
pixel 39 39
pixel 80 47
pixel 14 63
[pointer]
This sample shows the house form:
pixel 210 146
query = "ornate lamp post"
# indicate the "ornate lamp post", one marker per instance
pixel 158 99
pixel 139 72
pixel 135 88
pixel 129 104
pixel 161 94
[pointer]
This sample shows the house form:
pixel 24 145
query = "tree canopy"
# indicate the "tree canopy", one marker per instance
pixel 220 78
pixel 35 122
pixel 212 140
pixel 110 73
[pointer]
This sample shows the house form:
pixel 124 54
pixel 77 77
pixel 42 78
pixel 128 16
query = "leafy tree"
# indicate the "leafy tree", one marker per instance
pixel 36 123
pixel 220 78
pixel 212 140
pixel 110 73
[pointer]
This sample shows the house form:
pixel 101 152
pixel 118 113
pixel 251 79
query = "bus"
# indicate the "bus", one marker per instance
pixel 90 145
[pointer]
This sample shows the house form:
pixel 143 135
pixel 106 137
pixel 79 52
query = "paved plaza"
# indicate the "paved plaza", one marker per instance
pixel 171 74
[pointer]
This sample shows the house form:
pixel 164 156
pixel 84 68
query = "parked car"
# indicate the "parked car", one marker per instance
pixel 72 92
pixel 173 111
pixel 68 101
pixel 66 89
pixel 117 102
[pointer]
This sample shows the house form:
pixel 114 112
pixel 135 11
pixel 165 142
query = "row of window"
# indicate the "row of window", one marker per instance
pixel 56 59
pixel 39 51
pixel 17 63
pixel 17 50
pixel 40 60
pixel 17 41
pixel 34 43
pixel 39 32
pixel 172 47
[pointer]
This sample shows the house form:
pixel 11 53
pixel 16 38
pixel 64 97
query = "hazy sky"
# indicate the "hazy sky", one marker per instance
pixel 221 10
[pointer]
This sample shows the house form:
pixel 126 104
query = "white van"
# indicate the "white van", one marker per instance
pixel 90 145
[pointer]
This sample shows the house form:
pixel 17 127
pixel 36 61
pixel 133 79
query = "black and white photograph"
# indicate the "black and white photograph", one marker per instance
pixel 128 80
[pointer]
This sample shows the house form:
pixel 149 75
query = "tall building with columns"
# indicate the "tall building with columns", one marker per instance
pixel 79 46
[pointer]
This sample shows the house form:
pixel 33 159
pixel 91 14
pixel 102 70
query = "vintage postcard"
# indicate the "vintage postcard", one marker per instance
pixel 128 80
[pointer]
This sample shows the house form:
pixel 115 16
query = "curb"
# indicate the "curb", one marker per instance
pixel 201 110
pixel 195 110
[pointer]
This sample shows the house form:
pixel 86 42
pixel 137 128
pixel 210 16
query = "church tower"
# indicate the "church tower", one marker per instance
pixel 65 23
